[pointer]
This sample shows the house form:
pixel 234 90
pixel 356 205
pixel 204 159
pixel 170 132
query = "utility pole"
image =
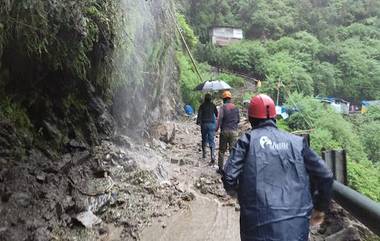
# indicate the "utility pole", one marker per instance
pixel 278 92
pixel 186 46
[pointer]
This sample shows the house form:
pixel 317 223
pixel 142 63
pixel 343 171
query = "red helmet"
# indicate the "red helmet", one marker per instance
pixel 262 107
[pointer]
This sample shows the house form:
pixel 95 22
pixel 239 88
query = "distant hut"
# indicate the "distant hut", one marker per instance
pixel 367 103
pixel 337 104
pixel 225 35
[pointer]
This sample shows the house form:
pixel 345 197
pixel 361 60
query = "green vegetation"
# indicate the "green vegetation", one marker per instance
pixel 367 126
pixel 54 57
pixel 364 176
pixel 62 35
pixel 15 114
pixel 328 124
pixel 301 62
pixel 326 47
pixel 189 79
pixel 231 79
pixel 187 31
pixel 331 130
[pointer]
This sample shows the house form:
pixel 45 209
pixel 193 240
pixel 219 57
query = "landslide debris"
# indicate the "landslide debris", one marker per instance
pixel 84 192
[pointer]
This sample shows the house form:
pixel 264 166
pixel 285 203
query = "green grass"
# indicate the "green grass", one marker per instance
pixel 14 113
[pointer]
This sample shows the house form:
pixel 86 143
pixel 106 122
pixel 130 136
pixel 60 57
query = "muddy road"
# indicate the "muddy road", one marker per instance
pixel 212 215
pixel 205 220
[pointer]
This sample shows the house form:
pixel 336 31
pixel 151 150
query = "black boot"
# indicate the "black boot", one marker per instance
pixel 203 151
pixel 212 151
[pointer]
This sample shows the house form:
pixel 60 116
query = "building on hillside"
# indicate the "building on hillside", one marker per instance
pixel 337 104
pixel 224 35
pixel 367 103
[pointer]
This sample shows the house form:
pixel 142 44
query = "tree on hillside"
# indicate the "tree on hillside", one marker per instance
pixel 205 14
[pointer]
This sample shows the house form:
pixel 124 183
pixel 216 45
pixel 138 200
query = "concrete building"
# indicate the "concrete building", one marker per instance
pixel 223 35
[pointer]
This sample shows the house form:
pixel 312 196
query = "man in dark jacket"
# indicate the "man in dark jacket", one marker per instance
pixel 270 170
pixel 228 122
pixel 207 114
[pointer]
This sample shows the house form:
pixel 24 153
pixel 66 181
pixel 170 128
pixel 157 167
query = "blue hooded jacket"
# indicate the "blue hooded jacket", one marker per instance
pixel 271 170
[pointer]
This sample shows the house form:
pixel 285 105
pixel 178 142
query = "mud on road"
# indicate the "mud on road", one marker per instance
pixel 206 219
pixel 212 215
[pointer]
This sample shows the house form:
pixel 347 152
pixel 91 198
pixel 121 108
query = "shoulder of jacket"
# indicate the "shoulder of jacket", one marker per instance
pixel 246 136
pixel 229 106
pixel 294 138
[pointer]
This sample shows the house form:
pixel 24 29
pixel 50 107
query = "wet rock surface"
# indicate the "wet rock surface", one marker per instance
pixel 163 131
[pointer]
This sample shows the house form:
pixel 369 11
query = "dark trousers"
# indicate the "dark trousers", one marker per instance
pixel 295 229
pixel 208 134
pixel 227 141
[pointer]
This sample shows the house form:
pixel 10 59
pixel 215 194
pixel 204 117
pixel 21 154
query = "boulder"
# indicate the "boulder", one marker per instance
pixel 76 145
pixel 164 131
pixel 88 219
pixel 105 124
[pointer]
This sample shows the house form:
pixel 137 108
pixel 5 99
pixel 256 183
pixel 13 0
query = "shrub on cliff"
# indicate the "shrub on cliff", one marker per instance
pixel 55 56
pixel 68 36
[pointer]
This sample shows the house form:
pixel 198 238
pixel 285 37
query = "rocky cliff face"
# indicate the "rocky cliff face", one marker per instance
pixel 80 70
pixel 74 73
pixel 146 66
pixel 53 69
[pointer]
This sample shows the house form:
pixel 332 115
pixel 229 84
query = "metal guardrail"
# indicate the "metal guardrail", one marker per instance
pixel 337 161
pixel 364 209
pixel 361 207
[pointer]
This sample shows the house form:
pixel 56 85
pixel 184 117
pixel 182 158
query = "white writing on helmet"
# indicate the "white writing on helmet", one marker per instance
pixel 265 142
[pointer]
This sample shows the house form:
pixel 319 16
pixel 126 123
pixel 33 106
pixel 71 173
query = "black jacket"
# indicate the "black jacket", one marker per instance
pixel 207 113
pixel 271 171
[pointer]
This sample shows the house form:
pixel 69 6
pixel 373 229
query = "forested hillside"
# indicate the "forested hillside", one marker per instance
pixel 324 47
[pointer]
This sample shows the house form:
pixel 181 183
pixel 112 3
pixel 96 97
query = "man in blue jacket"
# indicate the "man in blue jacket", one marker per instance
pixel 271 170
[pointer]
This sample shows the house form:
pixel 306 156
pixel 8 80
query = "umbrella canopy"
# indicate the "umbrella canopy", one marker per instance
pixel 213 85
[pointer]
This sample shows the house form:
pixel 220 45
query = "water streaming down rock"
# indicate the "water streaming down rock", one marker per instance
pixel 146 66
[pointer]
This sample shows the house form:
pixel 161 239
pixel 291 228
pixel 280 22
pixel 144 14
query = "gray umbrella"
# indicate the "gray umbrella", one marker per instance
pixel 213 85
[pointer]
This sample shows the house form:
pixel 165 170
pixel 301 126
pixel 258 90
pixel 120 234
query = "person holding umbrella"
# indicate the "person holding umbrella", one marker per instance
pixel 228 122
pixel 207 115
